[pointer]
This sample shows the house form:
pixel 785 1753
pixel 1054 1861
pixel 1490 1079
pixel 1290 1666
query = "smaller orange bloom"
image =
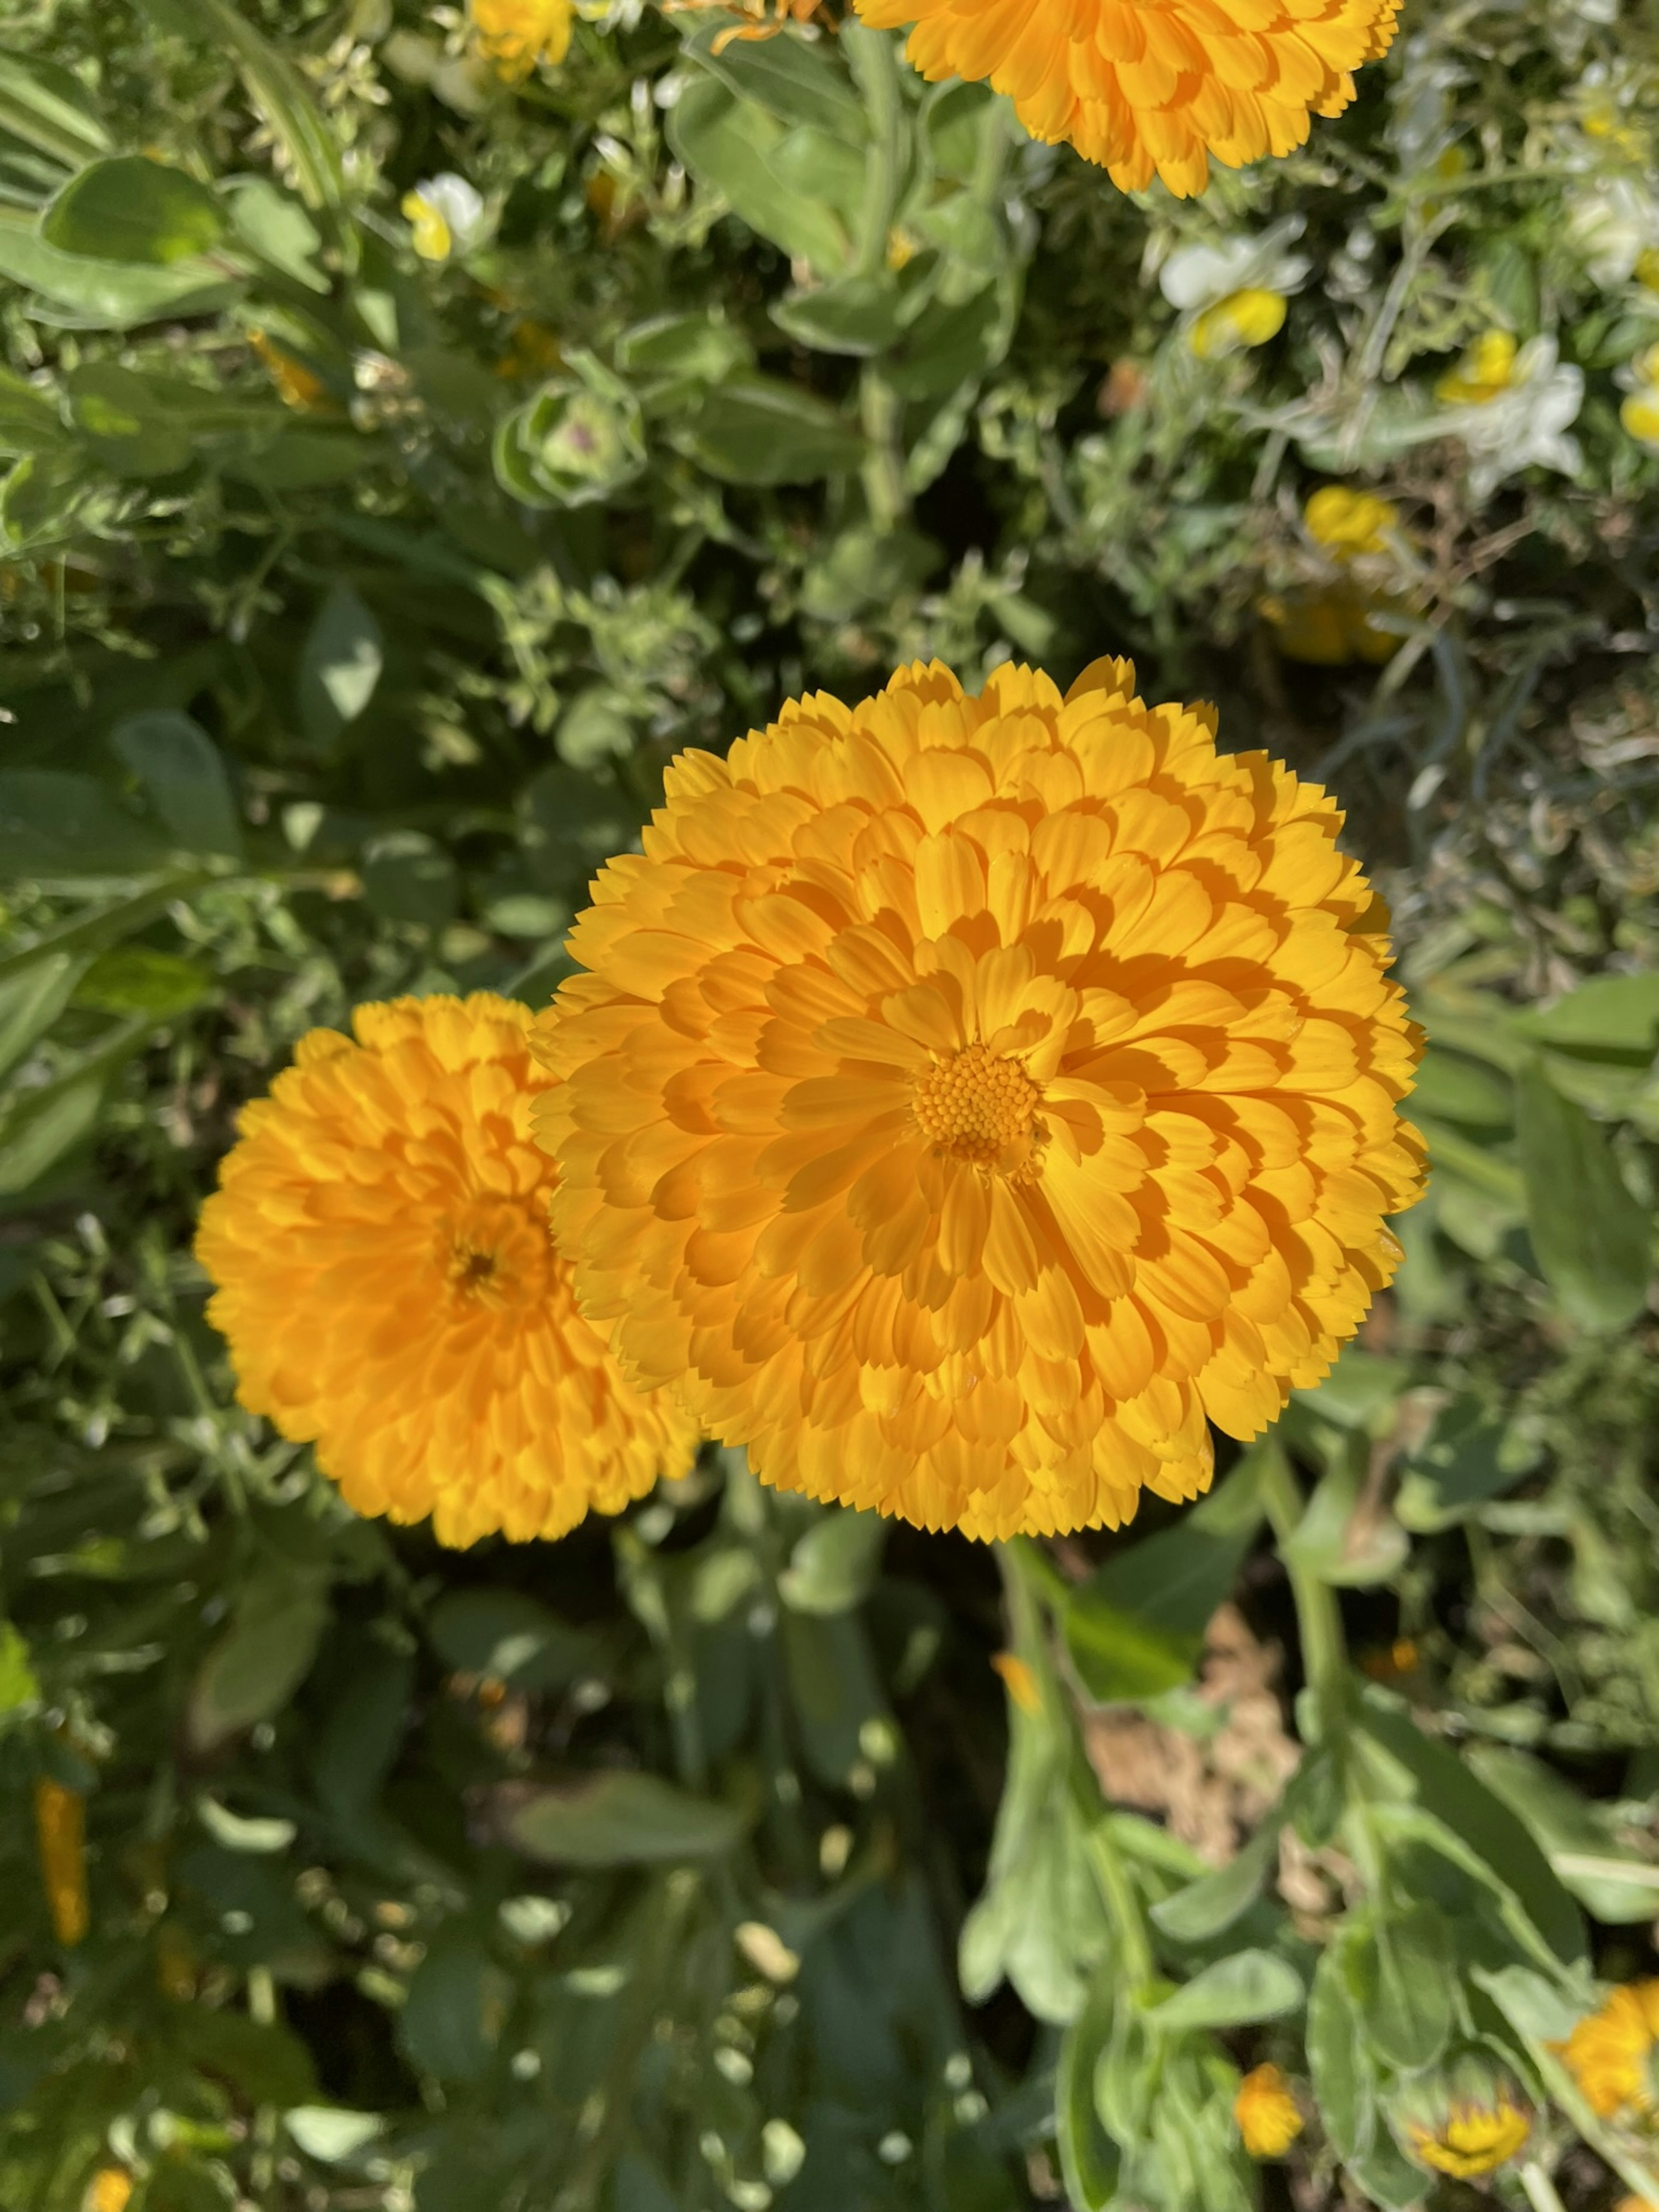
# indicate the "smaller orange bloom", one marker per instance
pixel 1607 2054
pixel 297 386
pixel 1019 1680
pixel 60 1831
pixel 765 21
pixel 109 2189
pixel 1269 2118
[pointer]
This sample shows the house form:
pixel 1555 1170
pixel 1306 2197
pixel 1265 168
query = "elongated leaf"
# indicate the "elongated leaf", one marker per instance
pixel 260 1661
pixel 790 79
pixel 1579 1848
pixel 182 774
pixel 1593 1242
pixel 455 2010
pixel 339 666
pixel 1089 2159
pixel 56 827
pixel 47 107
pixel 834 1565
pixel 130 209
pixel 1396 1974
pixel 1344 2079
pixel 1249 1986
pixel 756 430
pixel 614 1819
pixel 277 89
pixel 507 1634
pixel 32 999
pixel 1136 1628
pixel 108 294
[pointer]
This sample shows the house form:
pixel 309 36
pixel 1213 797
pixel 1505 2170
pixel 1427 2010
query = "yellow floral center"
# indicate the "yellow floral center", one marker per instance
pixel 496 1256
pixel 978 1106
pixel 1249 318
pixel 1640 415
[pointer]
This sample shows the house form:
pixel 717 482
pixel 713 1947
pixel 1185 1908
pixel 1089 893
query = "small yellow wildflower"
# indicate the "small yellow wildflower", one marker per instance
pixel 109 2191
pixel 1019 1680
pixel 901 248
pixel 1269 2119
pixel 517 36
pixel 1486 370
pixel 1349 523
pixel 1249 317
pixel 445 214
pixel 60 1831
pixel 1646 272
pixel 431 238
pixel 1472 2139
pixel 1326 629
pixel 1640 415
pixel 297 386
pixel 1607 2054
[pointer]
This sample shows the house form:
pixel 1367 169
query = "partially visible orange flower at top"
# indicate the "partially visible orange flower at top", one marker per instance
pixel 1607 2053
pixel 1149 88
pixel 969 1094
pixel 766 17
pixel 516 35
pixel 387 1279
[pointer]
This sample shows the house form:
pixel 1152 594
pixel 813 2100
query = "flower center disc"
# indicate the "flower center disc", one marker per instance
pixel 496 1254
pixel 978 1106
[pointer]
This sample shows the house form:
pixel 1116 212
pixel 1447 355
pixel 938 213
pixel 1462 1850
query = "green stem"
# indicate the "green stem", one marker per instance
pixel 1031 1582
pixel 1324 1648
pixel 876 67
pixel 885 491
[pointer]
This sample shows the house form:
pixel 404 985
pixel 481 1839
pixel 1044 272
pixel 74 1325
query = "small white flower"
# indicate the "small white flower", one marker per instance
pixel 1524 424
pixel 1195 277
pixel 446 216
pixel 1612 225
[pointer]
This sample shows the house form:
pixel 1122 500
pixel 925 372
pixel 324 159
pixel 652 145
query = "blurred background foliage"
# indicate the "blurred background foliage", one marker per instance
pixel 404 455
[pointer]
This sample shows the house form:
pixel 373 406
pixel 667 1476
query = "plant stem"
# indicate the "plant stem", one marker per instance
pixel 1324 1648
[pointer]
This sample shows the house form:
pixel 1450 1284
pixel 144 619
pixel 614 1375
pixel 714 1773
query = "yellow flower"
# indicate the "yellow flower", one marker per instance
pixel 1646 272
pixel 1327 628
pixel 1019 1680
pixel 297 386
pixel 1472 2139
pixel 1486 370
pixel 1349 523
pixel 430 233
pixel 1249 317
pixel 970 1095
pixel 60 1825
pixel 1640 415
pixel 389 1290
pixel 1154 87
pixel 1269 2120
pixel 516 35
pixel 110 2189
pixel 1607 2052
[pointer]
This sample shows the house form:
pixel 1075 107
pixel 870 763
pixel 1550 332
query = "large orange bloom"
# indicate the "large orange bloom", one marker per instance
pixel 1141 86
pixel 388 1284
pixel 969 1094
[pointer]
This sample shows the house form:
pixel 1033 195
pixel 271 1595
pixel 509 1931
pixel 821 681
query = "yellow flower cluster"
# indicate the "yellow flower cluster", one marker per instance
pixel 969 1098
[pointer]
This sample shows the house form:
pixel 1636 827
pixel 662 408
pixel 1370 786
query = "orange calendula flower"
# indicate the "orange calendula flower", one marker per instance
pixel 60 1830
pixel 1268 2118
pixel 1155 87
pixel 390 1292
pixel 969 1094
pixel 516 35
pixel 1607 2053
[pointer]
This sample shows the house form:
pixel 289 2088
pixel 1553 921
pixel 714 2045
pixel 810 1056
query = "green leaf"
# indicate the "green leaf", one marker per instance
pixel 1608 1014
pixel 1592 1239
pixel 1578 1844
pixel 834 1567
pixel 125 425
pixel 1248 1985
pixel 1344 2078
pixel 795 82
pixel 267 2064
pixel 31 1000
pixel 756 430
pixel 1445 1787
pixel 128 208
pixel 30 421
pixel 860 315
pixel 18 1685
pixel 741 152
pixel 135 980
pixel 1210 1905
pixel 1396 1970
pixel 1135 1628
pixel 1387 2177
pixel 702 348
pixel 1090 2165
pixel 1347 1537
pixel 455 2010
pixel 47 107
pixel 330 2133
pixel 340 666
pixel 1360 1392
pixel 58 828
pixel 182 774
pixel 1467 1457
pixel 106 294
pixel 1454 1089
pixel 278 229
pixel 408 877
pixel 260 1661
pixel 614 1819
pixel 37 1127
pixel 360 1739
pixel 511 1637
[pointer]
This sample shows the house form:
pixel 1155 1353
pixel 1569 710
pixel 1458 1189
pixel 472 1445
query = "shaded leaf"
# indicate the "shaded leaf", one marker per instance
pixel 618 1818
pixel 1593 1241
pixel 129 208
pixel 182 774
